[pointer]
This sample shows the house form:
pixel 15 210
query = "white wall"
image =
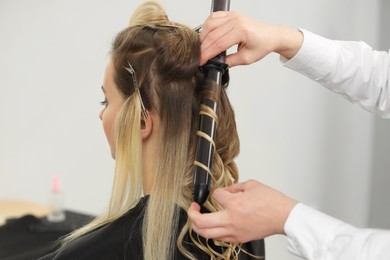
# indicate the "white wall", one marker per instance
pixel 295 135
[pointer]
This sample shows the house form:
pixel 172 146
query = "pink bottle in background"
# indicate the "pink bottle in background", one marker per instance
pixel 56 201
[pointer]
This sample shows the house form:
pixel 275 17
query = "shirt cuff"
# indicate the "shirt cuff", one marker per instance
pixel 310 60
pixel 309 231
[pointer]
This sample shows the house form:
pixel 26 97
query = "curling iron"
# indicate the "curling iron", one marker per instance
pixel 205 148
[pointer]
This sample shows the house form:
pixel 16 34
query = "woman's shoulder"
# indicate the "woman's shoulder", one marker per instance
pixel 108 241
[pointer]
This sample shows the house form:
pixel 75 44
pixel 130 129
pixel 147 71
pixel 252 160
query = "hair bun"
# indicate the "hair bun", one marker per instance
pixel 149 13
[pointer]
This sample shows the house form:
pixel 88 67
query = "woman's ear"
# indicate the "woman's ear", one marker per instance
pixel 146 126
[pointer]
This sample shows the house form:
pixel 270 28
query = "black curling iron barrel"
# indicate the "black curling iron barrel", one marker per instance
pixel 205 149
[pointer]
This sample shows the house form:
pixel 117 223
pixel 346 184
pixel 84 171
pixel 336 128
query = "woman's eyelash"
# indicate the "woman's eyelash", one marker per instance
pixel 103 103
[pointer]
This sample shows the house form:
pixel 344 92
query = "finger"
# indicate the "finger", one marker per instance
pixel 220 40
pixel 205 220
pixel 217 42
pixel 220 14
pixel 218 36
pixel 207 231
pixel 223 196
pixel 234 59
pixel 194 207
pixel 194 211
pixel 237 187
pixel 221 234
pixel 241 57
pixel 214 47
pixel 214 21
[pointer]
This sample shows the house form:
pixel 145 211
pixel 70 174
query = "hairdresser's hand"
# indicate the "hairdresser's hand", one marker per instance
pixel 254 40
pixel 251 210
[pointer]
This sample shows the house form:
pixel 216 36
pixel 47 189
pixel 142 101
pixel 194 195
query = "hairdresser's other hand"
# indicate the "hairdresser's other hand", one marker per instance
pixel 254 40
pixel 250 210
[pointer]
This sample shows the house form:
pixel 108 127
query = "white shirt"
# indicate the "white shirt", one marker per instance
pixel 316 236
pixel 361 75
pixel 350 68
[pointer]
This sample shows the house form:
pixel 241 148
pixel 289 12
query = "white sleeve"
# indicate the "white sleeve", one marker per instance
pixel 316 236
pixel 349 68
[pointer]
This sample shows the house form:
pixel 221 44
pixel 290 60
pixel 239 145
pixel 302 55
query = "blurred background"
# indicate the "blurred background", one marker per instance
pixel 295 135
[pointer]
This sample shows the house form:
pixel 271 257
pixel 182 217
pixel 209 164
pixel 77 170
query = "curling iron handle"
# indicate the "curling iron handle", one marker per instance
pixel 220 5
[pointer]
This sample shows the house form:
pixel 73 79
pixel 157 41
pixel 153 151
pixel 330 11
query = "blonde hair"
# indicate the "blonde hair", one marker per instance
pixel 165 56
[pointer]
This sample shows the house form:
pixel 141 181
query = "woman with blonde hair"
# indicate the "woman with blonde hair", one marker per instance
pixel 153 88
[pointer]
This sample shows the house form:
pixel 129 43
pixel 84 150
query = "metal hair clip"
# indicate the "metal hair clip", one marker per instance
pixel 198 28
pixel 136 88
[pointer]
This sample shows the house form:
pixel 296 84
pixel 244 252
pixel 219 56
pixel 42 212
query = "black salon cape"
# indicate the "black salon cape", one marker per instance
pixel 122 239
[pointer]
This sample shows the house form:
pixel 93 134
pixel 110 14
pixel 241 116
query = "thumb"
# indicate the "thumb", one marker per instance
pixel 233 60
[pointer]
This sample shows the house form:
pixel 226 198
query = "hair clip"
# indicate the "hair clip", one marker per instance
pixel 198 28
pixel 136 88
